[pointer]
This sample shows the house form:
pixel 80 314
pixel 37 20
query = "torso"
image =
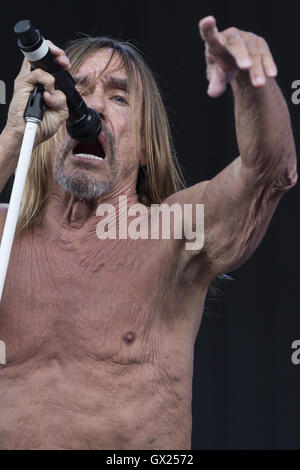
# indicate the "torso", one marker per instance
pixel 99 341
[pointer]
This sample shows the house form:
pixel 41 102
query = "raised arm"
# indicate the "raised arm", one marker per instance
pixel 240 201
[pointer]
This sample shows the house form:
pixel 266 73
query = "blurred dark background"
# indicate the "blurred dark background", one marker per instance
pixel 246 389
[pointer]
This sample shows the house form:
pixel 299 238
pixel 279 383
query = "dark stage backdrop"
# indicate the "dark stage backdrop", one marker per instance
pixel 246 388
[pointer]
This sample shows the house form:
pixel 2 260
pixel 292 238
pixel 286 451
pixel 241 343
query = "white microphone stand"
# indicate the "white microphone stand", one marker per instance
pixel 33 116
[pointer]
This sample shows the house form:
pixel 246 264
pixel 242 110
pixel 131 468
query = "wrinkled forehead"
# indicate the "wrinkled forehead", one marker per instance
pixel 103 60
pixel 107 62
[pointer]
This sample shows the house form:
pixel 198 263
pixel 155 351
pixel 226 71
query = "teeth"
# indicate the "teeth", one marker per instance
pixel 86 155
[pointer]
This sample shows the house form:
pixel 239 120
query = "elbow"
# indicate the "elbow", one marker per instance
pixel 286 180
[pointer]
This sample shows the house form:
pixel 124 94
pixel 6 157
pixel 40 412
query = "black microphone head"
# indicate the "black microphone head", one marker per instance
pixel 86 129
pixel 27 35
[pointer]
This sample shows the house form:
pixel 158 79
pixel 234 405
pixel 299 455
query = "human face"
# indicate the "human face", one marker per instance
pixel 105 89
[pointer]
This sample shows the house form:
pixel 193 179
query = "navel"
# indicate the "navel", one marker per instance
pixel 129 337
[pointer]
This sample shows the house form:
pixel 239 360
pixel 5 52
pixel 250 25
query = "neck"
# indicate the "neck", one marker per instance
pixel 67 213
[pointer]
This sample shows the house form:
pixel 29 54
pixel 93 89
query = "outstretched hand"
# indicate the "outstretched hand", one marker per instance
pixel 232 51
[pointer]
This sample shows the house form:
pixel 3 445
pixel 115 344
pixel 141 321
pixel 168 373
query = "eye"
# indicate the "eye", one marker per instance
pixel 119 99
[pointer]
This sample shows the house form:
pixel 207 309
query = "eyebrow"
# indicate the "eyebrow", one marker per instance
pixel 81 79
pixel 115 82
pixel 110 82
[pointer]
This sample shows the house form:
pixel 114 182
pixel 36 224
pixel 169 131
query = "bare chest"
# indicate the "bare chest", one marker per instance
pixel 106 302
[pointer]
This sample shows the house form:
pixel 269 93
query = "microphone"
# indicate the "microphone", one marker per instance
pixel 84 124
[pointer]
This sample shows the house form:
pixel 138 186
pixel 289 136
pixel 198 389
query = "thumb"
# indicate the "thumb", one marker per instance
pixel 56 101
pixel 25 69
pixel 217 83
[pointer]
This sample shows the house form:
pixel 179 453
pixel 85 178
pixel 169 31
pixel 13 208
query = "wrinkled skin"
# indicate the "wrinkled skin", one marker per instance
pixel 100 347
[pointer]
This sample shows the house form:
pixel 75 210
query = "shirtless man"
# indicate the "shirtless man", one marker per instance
pixel 100 334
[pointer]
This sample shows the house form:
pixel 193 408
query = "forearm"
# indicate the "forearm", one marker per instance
pixel 10 145
pixel 264 132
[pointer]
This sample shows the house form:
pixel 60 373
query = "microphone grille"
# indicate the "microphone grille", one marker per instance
pixel 86 130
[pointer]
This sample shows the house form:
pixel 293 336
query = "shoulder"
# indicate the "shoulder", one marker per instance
pixel 193 194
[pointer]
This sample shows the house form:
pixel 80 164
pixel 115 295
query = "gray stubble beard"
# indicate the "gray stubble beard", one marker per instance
pixel 84 185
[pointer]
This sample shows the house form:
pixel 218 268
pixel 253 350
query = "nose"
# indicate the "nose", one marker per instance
pixel 96 101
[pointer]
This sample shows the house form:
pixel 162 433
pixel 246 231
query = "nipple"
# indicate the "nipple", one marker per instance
pixel 129 337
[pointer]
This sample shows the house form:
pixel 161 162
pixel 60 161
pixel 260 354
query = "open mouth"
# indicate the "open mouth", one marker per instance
pixel 90 150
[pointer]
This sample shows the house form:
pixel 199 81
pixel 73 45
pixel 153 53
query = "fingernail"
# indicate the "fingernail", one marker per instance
pixel 272 72
pixel 259 81
pixel 245 63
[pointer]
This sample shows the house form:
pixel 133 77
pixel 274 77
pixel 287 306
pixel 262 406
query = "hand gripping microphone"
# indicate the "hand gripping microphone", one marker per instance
pixel 83 124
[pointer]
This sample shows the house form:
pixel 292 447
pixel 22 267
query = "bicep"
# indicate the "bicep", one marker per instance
pixel 238 206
